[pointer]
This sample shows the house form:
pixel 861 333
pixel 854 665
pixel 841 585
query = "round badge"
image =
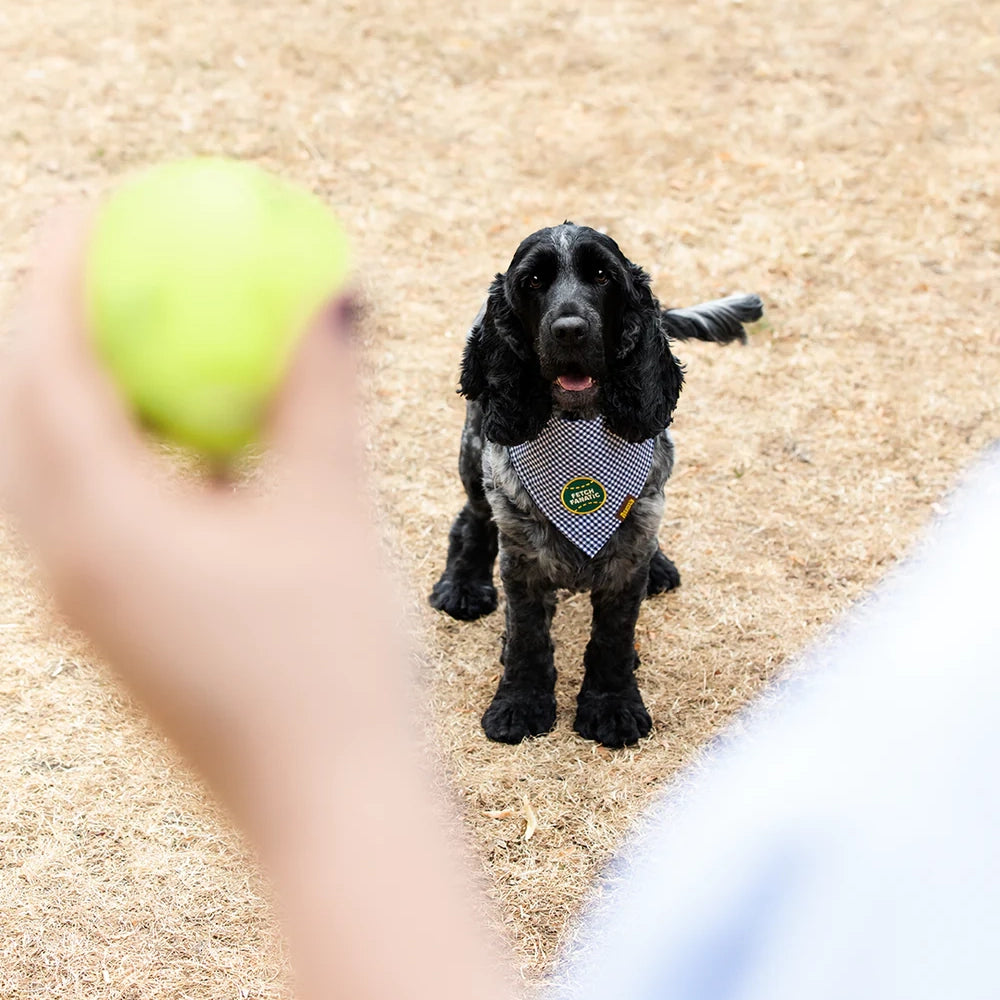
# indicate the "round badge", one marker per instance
pixel 583 495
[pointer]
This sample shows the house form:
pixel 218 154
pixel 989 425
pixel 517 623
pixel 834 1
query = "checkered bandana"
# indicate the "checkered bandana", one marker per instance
pixel 584 478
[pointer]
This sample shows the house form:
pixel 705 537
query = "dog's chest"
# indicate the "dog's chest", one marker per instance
pixel 584 480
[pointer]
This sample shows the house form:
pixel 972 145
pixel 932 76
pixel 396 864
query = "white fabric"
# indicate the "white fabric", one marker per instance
pixel 843 841
pixel 568 451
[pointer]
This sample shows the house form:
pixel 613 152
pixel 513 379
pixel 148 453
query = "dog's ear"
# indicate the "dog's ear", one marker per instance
pixel 500 371
pixel 644 379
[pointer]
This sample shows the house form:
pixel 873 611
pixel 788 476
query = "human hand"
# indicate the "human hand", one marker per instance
pixel 259 631
pixel 216 606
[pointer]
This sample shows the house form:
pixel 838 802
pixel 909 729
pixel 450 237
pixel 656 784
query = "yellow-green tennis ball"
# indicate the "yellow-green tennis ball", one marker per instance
pixel 200 276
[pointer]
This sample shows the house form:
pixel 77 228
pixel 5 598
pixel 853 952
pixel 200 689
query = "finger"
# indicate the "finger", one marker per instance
pixel 314 422
pixel 65 435
pixel 46 308
pixel 51 271
pixel 51 342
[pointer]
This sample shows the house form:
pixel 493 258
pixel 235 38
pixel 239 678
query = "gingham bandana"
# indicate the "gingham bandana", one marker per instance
pixel 583 478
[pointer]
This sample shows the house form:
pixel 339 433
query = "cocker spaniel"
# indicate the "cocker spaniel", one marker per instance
pixel 571 386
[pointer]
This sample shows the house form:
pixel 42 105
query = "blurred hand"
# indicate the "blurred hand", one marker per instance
pixel 260 633
pixel 216 606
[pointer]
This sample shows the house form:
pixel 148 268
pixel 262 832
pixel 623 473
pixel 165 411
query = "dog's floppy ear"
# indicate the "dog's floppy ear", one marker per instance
pixel 644 379
pixel 500 371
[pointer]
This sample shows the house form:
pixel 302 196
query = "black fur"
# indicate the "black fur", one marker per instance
pixel 572 328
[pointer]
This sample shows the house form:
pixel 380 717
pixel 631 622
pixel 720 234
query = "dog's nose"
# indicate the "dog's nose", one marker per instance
pixel 569 329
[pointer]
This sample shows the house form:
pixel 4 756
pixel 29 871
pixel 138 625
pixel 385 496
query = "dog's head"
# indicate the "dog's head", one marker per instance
pixel 572 326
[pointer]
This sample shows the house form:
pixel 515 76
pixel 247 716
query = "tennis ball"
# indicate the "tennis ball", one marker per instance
pixel 200 275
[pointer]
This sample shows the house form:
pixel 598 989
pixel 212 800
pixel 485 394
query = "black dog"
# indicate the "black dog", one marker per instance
pixel 568 366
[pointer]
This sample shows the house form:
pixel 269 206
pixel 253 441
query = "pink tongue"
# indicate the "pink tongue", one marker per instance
pixel 575 383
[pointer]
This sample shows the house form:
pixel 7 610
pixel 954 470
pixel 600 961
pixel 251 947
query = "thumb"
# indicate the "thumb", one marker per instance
pixel 314 424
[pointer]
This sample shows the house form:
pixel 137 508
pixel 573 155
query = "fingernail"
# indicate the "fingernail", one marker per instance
pixel 341 315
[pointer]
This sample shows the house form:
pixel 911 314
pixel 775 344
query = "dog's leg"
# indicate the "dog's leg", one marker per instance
pixel 465 590
pixel 525 702
pixel 609 708
pixel 663 575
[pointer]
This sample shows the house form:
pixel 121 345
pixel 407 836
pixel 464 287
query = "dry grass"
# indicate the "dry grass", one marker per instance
pixel 841 160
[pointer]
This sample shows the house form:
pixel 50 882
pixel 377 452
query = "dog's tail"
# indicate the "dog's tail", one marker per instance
pixel 720 320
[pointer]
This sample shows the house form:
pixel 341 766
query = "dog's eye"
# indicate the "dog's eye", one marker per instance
pixel 535 281
pixel 600 277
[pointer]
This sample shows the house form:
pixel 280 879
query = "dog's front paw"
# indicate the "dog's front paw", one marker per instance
pixel 616 719
pixel 663 575
pixel 463 600
pixel 514 715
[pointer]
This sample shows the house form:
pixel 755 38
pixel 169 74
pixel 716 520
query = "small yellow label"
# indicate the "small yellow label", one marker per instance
pixel 626 508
